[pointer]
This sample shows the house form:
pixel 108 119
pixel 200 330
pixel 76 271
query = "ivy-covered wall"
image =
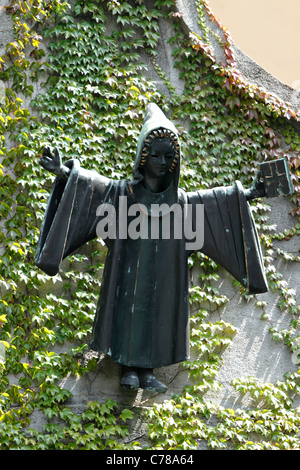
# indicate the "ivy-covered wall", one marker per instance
pixel 78 75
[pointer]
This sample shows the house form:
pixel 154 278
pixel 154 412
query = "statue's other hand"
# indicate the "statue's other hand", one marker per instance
pixel 257 190
pixel 258 186
pixel 51 161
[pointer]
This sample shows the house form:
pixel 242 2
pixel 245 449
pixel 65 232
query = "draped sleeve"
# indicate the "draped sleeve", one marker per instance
pixel 230 235
pixel 70 218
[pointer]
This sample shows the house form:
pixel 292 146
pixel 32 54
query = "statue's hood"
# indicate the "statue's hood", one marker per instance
pixel 154 119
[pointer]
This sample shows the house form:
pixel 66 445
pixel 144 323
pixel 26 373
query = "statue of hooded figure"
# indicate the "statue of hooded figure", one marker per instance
pixel 142 317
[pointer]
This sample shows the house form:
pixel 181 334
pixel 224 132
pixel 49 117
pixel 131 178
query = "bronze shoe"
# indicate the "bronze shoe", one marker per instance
pixel 129 379
pixel 149 382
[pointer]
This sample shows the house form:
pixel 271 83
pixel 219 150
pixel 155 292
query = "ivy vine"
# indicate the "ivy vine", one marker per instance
pixel 87 55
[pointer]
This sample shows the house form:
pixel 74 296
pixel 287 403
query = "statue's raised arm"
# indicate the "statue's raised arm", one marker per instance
pixel 52 162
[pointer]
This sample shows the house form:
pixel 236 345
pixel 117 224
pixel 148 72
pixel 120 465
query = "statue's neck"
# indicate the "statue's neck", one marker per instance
pixel 153 185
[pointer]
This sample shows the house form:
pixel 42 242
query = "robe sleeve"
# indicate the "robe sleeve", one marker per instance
pixel 230 235
pixel 70 218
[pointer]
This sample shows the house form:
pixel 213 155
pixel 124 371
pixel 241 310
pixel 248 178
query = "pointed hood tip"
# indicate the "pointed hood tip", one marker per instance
pixel 153 111
pixel 156 116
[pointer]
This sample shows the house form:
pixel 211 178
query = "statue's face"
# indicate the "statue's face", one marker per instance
pixel 160 157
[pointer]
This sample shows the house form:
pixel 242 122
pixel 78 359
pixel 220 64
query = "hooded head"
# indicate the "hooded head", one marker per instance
pixel 157 126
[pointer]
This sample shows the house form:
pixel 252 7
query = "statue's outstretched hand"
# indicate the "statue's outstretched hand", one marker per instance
pixel 257 190
pixel 53 163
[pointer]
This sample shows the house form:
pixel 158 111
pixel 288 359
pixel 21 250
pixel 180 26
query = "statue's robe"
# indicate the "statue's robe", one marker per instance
pixel 142 317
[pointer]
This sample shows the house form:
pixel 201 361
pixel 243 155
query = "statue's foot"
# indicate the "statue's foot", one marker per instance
pixel 149 382
pixel 129 379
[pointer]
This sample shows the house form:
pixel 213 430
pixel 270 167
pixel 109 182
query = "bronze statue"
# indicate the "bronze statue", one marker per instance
pixel 142 317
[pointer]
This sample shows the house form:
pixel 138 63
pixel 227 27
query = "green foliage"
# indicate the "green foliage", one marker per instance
pixel 91 107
